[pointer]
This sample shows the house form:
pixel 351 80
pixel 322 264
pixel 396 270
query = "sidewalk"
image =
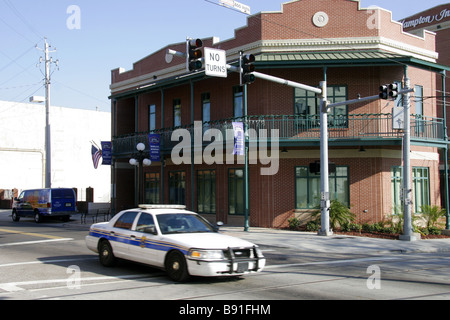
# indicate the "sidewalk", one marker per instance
pixel 303 241
pixel 311 242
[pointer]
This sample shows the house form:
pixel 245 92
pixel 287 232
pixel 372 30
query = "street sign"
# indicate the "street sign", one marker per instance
pixel 236 5
pixel 215 63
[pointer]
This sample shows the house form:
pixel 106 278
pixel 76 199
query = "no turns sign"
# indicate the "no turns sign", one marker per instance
pixel 215 63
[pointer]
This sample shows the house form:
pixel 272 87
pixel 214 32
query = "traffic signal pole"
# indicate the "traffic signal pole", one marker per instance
pixel 324 169
pixel 408 234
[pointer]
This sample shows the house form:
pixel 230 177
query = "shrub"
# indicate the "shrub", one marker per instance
pixel 432 214
pixel 313 225
pixel 340 214
pixel 294 223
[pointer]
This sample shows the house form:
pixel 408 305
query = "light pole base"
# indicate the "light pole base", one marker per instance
pixel 325 233
pixel 413 237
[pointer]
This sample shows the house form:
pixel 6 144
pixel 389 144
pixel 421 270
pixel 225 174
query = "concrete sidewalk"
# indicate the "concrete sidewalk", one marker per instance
pixel 302 241
pixel 311 242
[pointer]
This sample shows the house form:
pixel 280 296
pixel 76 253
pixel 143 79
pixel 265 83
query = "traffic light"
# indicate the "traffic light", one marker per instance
pixel 389 91
pixel 247 68
pixel 384 92
pixel 194 54
pixel 315 167
pixel 393 91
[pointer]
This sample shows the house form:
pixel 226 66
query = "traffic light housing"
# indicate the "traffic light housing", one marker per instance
pixel 384 92
pixel 315 167
pixel 247 68
pixel 194 54
pixel 389 91
pixel 393 91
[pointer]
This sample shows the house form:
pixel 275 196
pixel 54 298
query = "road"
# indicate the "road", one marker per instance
pixel 50 261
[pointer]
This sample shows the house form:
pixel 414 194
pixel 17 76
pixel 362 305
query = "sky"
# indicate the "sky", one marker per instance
pixel 91 37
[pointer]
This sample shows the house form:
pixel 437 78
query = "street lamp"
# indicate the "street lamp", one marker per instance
pixel 139 160
pixel 48 153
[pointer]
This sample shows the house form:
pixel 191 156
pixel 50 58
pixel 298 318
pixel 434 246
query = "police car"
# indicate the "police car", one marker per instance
pixel 169 237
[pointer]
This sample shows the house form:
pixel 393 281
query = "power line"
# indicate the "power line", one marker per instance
pixel 22 18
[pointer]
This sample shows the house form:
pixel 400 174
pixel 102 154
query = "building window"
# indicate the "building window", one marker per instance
pixel 396 189
pixel 307 187
pixel 177 113
pixel 151 117
pixel 206 111
pixel 236 192
pixel 151 192
pixel 206 191
pixel 421 188
pixel 307 107
pixel 238 102
pixel 177 187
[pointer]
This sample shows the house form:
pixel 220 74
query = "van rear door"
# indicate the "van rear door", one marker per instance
pixel 63 200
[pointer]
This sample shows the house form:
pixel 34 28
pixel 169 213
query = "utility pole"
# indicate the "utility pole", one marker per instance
pixel 48 153
pixel 407 188
pixel 324 182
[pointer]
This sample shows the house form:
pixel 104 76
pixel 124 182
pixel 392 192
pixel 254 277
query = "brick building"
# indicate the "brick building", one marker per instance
pixel 354 49
pixel 437 20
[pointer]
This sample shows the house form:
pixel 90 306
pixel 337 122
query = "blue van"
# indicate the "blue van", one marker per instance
pixel 41 203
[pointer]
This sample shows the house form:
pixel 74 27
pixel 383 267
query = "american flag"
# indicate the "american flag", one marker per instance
pixel 96 155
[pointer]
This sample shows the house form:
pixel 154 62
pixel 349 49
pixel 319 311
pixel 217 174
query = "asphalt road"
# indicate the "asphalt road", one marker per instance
pixel 50 261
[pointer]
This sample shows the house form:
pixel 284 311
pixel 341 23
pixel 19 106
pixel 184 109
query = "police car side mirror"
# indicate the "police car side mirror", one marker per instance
pixel 218 225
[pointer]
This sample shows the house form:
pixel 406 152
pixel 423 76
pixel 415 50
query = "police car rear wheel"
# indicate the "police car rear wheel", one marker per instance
pixel 105 254
pixel 176 266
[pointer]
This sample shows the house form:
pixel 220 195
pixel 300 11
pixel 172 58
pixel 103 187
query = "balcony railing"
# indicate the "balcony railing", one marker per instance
pixel 295 128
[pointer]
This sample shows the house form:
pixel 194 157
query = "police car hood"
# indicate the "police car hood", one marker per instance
pixel 208 241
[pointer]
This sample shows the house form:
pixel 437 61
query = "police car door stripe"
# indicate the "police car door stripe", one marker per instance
pixel 151 244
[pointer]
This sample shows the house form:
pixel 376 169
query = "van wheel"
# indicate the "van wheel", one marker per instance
pixel 176 267
pixel 37 217
pixel 105 254
pixel 15 216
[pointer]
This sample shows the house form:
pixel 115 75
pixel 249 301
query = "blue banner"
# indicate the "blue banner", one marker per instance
pixel 106 153
pixel 155 142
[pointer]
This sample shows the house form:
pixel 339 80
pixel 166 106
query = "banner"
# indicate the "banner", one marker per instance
pixel 239 144
pixel 154 141
pixel 106 152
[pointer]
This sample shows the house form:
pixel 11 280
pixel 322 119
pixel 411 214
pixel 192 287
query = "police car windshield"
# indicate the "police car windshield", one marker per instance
pixel 182 223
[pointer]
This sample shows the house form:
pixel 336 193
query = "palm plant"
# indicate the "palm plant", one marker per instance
pixel 431 214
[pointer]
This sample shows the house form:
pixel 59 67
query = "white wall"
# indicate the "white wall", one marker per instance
pixel 22 148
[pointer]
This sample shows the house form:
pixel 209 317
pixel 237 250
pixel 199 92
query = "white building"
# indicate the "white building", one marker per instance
pixel 22 148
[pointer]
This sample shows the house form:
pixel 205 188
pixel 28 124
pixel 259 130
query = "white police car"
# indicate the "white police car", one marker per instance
pixel 171 238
